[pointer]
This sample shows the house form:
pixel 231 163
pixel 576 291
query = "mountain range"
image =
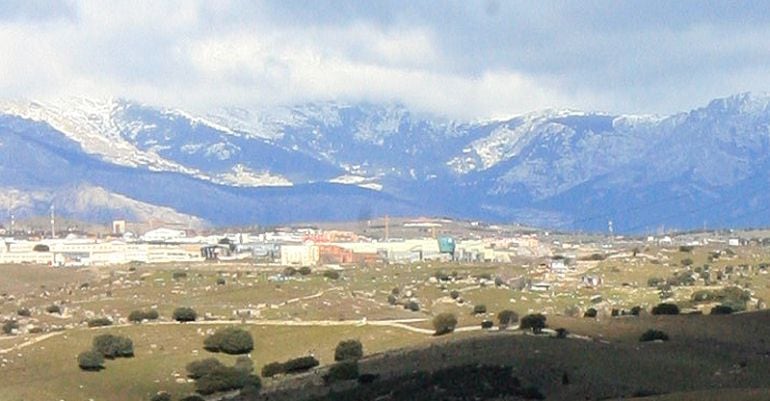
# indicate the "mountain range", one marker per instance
pixel 563 169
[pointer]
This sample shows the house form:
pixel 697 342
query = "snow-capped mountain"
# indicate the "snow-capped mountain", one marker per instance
pixel 561 168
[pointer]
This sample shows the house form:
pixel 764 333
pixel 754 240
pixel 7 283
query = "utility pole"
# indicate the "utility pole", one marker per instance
pixel 53 222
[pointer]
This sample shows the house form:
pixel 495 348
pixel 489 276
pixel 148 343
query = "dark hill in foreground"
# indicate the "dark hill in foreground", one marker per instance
pixel 727 355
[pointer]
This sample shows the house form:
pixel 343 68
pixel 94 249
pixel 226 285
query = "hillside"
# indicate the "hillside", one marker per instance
pixel 706 355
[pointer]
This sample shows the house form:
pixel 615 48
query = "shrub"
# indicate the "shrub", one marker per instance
pixel 479 309
pixel 184 314
pixel 178 275
pixel 192 397
pixel 289 271
pixel 200 368
pixel 395 291
pixel 665 309
pixel 230 340
pixel 138 316
pixel 41 248
pixel 244 364
pixel 332 274
pixel 444 323
pixel 687 262
pixel 652 335
pixel 392 299
pixel 721 310
pixel 305 270
pixel 655 281
pixel 9 326
pixel 487 324
pixel 24 312
pixel 454 294
pixel 272 369
pixel 99 322
pixel 572 311
pixel 161 396
pixel 685 248
pixel 301 364
pixel 561 333
pixel 53 309
pixel 412 306
pixel 535 321
pixel 223 378
pixel 348 349
pixel 91 361
pixel 499 282
pixel 345 370
pixel 111 346
pixel 636 310
pixel 221 281
pixel 506 318
pixel 590 312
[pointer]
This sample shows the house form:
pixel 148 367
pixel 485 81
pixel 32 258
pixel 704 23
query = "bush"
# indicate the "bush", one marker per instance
pixel 444 323
pixel 91 361
pixel 345 370
pixel 454 294
pixel 487 324
pixel 412 306
pixel 200 368
pixel 348 350
pixel 721 310
pixel 636 310
pixel 590 312
pixel 506 318
pixel 655 281
pixel 685 248
pixel 395 291
pixel 53 309
pixel 24 312
pixel 225 378
pixel 479 309
pixel 332 274
pixel 296 365
pixel 272 369
pixel 561 333
pixel 665 309
pixel 652 335
pixel 572 311
pixel 687 262
pixel 178 275
pixel 192 398
pixel 221 281
pixel 41 248
pixel 111 346
pixel 305 270
pixel 535 321
pixel 138 316
pixel 9 326
pixel 161 396
pixel 392 299
pixel 99 322
pixel 230 340
pixel 184 314
pixel 244 364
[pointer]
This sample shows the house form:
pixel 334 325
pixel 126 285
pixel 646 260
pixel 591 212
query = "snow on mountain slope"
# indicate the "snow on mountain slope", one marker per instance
pixel 92 124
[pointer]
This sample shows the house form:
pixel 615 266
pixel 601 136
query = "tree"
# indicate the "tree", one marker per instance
pixel 444 323
pixel 348 350
pixel 230 340
pixel 305 270
pixel 506 318
pixel 111 346
pixel 590 312
pixel 91 361
pixel 53 309
pixel 344 370
pixel 184 314
pixel 652 335
pixel 244 364
pixel 138 316
pixel 534 321
pixel 454 294
pixel 41 248
pixel 161 396
pixel 200 368
pixel 24 312
pixel 9 326
pixel 479 309
pixel 665 309
pixel 721 310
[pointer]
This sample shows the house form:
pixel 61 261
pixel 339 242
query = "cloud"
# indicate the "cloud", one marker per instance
pixel 460 59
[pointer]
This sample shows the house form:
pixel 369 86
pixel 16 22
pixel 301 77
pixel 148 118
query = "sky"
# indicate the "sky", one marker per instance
pixel 458 59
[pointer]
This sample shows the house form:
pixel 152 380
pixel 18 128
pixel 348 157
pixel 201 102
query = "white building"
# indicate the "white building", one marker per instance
pixel 163 235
